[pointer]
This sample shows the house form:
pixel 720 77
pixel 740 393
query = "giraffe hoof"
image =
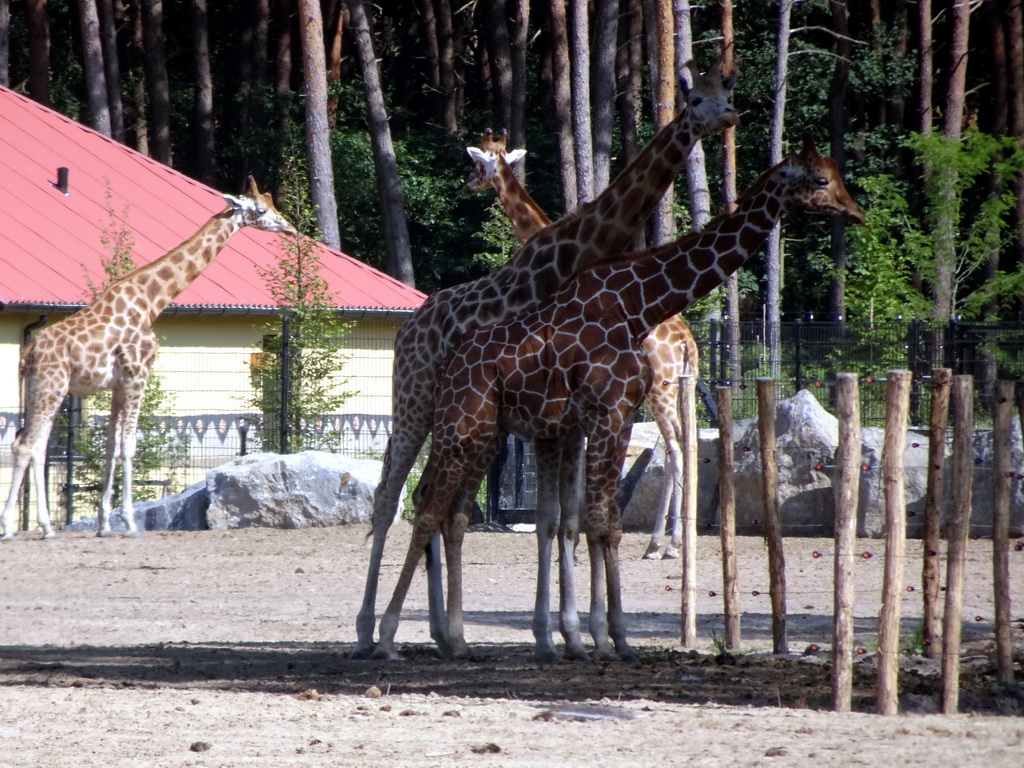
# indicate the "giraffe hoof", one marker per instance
pixel 106 535
pixel 363 653
pixel 670 554
pixel 133 534
pixel 651 554
pixel 606 655
pixel 7 537
pixel 50 535
pixel 385 654
pixel 576 654
pixel 546 656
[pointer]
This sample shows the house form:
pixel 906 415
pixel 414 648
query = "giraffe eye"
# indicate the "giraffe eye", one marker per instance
pixel 821 181
pixel 696 101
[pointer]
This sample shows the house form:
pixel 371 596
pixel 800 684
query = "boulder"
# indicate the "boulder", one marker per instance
pixel 301 490
pixel 807 439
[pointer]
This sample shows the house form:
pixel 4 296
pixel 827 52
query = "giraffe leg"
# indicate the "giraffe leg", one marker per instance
pixel 663 406
pixel 548 461
pixel 571 486
pixel 399 457
pixel 30 450
pixel 128 426
pixel 111 452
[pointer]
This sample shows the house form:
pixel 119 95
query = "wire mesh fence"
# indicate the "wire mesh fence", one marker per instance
pixel 216 421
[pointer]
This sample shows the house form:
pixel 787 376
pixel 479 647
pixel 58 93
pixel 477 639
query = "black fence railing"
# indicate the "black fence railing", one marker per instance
pixel 808 357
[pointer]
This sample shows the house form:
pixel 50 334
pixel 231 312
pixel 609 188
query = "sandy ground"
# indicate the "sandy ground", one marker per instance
pixel 233 649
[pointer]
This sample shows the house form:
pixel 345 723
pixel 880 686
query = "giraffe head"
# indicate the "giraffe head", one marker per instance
pixel 709 99
pixel 814 182
pixel 486 159
pixel 256 209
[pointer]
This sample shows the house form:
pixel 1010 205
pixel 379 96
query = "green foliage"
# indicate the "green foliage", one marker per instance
pixel 498 233
pixel 966 192
pixel 311 364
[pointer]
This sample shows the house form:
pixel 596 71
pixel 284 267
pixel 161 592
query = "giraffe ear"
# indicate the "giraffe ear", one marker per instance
pixel 477 155
pixel 515 156
pixel 233 202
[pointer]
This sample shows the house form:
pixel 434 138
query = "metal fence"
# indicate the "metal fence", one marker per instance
pixel 808 356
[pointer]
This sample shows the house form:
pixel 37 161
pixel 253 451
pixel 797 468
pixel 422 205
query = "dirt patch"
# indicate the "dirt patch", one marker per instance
pixel 224 649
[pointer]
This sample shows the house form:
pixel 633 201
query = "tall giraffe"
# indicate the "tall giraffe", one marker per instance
pixel 598 230
pixel 110 344
pixel 573 369
pixel 671 347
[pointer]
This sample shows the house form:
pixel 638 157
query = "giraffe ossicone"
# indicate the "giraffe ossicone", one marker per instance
pixel 573 370
pixel 599 230
pixel 110 344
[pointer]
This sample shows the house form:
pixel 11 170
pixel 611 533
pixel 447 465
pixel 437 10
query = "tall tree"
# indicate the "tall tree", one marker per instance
pixel 696 166
pixel 112 65
pixel 1014 16
pixel 389 187
pixel 519 42
pixel 558 48
pixel 729 192
pixel 5 42
pixel 314 75
pixel 837 145
pixel 662 55
pixel 943 287
pixel 446 66
pixel 773 249
pixel 606 24
pixel 158 91
pixel 628 67
pixel 38 51
pixel 581 125
pixel 499 57
pixel 137 78
pixel 206 165
pixel 95 72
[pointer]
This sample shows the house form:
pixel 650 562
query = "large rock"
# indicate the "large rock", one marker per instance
pixel 807 438
pixel 185 511
pixel 302 490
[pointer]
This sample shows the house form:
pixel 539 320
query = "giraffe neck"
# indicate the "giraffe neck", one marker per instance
pixel 158 283
pixel 661 282
pixel 522 210
pixel 601 229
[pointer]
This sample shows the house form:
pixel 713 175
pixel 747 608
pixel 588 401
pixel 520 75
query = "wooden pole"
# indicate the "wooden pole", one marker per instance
pixel 727 520
pixel 846 485
pixel 893 453
pixel 932 562
pixel 688 508
pixel 959 523
pixel 1003 474
pixel 772 521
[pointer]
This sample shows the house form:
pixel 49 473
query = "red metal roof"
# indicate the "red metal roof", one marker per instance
pixel 50 242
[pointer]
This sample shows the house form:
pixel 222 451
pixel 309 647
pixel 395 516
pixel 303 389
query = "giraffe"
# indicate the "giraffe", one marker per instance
pixel 597 230
pixel 110 344
pixel 671 348
pixel 573 369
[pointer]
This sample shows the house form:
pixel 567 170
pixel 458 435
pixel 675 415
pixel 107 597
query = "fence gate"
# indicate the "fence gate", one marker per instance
pixel 512 484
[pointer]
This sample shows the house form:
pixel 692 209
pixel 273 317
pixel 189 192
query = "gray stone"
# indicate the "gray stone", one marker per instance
pixel 185 511
pixel 807 438
pixel 302 490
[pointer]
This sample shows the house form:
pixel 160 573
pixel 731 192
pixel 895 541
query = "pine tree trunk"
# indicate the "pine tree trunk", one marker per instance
pixel 732 283
pixel 38 51
pixel 158 92
pixel 1015 56
pixel 628 67
pixel 389 188
pixel 606 23
pixel 206 164
pixel 837 133
pixel 95 72
pixel 561 83
pixel 696 167
pixel 446 63
pixel 321 168
pixel 499 49
pixel 664 105
pixel 112 67
pixel 520 40
pixel 5 43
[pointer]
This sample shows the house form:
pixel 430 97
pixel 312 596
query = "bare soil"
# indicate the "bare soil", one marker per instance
pixel 233 649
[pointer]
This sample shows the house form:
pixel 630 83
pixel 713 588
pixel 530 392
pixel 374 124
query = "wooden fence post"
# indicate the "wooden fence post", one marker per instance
pixel 1002 475
pixel 846 487
pixel 930 577
pixel 727 522
pixel 688 508
pixel 772 521
pixel 893 460
pixel 958 524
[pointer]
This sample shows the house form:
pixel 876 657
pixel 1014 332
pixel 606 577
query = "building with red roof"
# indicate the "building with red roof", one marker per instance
pixel 65 187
